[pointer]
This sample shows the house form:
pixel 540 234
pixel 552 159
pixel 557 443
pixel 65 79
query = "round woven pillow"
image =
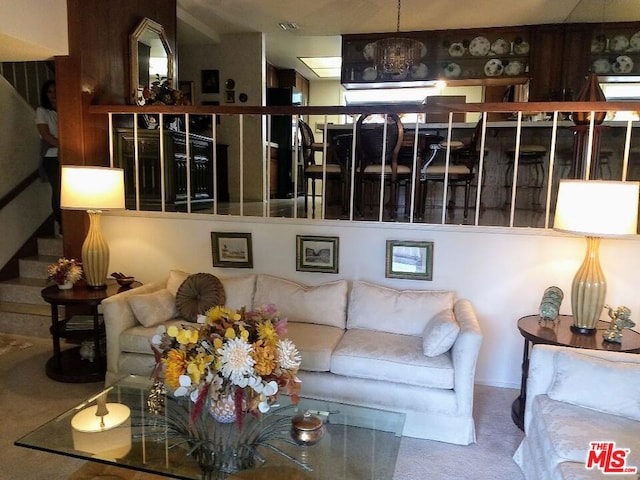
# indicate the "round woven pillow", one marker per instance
pixel 197 294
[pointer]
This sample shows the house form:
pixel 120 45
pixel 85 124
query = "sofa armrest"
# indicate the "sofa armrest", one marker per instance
pixel 118 316
pixel 464 354
pixel 542 370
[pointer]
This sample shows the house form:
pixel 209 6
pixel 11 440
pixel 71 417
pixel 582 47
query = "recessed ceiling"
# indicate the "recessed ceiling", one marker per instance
pixel 321 22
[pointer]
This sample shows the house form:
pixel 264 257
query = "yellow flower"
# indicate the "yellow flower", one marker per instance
pixel 265 358
pixel 215 314
pixel 196 369
pixel 175 365
pixel 186 336
pixel 230 333
pixel 267 332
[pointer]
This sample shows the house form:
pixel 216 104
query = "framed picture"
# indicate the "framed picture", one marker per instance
pixel 187 89
pixel 317 254
pixel 412 260
pixel 210 81
pixel 231 250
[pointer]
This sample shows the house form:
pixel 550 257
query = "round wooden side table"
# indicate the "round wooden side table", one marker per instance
pixel 535 330
pixel 67 365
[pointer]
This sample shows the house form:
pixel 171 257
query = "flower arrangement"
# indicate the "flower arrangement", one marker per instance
pixel 241 356
pixel 162 93
pixel 65 271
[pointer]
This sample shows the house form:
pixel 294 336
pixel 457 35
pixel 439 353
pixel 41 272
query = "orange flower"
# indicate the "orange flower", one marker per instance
pixel 176 365
pixel 265 358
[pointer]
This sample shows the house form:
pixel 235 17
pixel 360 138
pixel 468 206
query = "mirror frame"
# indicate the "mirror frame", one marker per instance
pixel 134 38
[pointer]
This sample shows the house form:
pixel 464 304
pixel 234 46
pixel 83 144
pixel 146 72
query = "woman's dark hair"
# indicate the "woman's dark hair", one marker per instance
pixel 44 98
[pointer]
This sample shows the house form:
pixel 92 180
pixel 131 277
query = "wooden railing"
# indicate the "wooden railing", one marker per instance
pixel 489 186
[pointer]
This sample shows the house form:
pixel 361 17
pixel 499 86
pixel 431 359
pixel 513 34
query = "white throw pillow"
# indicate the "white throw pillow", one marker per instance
pixel 176 278
pixel 596 383
pixel 324 304
pixel 440 334
pixel 239 291
pixel 405 312
pixel 151 309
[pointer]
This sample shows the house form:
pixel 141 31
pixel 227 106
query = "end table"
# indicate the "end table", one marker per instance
pixel 67 365
pixel 535 330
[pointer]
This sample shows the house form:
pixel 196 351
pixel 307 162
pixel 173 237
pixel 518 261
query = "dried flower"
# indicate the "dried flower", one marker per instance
pixel 65 271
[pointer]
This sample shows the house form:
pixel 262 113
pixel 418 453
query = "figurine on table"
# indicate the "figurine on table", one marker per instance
pixel 620 319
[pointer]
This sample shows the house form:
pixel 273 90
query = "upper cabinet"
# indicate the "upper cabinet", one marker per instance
pixel 493 56
pixel 554 59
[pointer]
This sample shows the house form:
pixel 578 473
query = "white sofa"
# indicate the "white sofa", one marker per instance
pixel 409 351
pixel 574 397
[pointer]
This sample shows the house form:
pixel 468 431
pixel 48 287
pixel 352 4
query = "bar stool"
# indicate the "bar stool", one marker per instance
pixel 531 159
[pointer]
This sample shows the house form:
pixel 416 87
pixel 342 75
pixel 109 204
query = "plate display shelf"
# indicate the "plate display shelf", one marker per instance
pixel 615 51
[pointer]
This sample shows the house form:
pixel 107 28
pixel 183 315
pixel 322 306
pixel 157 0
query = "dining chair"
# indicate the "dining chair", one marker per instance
pixel 328 170
pixel 377 151
pixel 463 165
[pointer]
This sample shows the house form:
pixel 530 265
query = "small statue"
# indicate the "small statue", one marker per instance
pixel 620 319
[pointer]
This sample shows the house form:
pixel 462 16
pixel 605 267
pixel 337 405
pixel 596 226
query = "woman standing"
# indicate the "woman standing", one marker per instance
pixel 47 123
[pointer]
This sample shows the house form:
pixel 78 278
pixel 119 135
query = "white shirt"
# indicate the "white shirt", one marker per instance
pixel 49 117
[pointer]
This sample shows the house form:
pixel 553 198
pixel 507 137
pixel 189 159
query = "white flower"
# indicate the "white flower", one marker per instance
pixel 236 362
pixel 288 355
pixel 157 338
pixel 185 386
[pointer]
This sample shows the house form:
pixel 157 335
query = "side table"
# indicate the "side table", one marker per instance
pixel 535 330
pixel 67 365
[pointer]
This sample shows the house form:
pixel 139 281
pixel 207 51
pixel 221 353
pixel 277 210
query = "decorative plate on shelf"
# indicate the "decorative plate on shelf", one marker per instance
pixel 634 42
pixel 493 68
pixel 513 68
pixel 598 45
pixel 623 64
pixel 456 49
pixel 479 46
pixel 619 43
pixel 601 66
pixel 419 72
pixel 501 47
pixel 369 51
pixel 521 48
pixel 369 74
pixel 400 76
pixel 452 70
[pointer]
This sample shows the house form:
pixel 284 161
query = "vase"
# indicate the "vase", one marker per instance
pixel 218 460
pixel 65 286
pixel 590 92
pixel 223 410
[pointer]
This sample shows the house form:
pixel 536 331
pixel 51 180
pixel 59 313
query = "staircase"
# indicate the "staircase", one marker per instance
pixel 22 309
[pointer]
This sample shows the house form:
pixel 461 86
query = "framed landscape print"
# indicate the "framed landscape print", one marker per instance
pixel 317 254
pixel 231 250
pixel 408 259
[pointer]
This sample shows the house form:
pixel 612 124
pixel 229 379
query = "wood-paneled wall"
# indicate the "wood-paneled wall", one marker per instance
pixel 96 71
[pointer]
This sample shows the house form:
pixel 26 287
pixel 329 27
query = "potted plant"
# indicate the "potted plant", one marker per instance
pixel 65 272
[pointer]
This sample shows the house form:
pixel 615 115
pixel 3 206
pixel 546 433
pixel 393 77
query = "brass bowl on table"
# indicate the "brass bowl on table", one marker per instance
pixel 125 281
pixel 306 429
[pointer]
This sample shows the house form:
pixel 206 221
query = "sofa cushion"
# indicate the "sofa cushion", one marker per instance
pixel 324 304
pixel 152 309
pixel 197 294
pixel 138 339
pixel 315 344
pixel 390 358
pixel 405 312
pixel 440 333
pixel 596 383
pixel 563 431
pixel 175 279
pixel 239 291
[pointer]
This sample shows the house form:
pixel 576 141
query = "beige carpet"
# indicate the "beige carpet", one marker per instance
pixel 9 343
pixel 28 398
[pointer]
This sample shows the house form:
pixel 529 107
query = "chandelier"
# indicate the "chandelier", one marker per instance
pixel 398 54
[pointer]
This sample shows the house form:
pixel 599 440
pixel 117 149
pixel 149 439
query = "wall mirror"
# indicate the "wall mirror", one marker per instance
pixel 151 57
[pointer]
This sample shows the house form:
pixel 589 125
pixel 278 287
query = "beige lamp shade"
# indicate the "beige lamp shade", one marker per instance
pixel 91 188
pixel 107 436
pixel 597 208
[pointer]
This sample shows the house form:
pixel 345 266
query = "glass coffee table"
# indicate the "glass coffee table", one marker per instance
pixel 359 443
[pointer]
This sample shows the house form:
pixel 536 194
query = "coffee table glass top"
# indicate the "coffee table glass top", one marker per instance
pixel 359 443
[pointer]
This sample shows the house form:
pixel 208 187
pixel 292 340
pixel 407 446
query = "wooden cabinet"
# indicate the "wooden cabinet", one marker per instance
pixel 614 50
pixel 492 56
pixel 149 180
pixel 291 78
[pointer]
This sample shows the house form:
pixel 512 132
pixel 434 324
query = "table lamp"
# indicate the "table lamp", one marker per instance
pixel 595 209
pixel 93 189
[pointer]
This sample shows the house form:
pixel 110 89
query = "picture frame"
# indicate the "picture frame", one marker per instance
pixel 188 90
pixel 231 250
pixel 317 254
pixel 409 260
pixel 210 81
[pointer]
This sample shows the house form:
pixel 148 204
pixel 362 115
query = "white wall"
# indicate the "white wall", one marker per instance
pixel 503 272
